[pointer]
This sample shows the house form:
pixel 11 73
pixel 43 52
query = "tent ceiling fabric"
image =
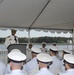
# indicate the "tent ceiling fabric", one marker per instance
pixel 58 15
pixel 19 13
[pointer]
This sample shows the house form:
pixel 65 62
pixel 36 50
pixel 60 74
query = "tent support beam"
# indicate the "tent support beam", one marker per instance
pixel 39 14
pixel 73 42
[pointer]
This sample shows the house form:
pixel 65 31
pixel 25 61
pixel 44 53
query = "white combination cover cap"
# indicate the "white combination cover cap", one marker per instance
pixel 69 58
pixel 17 56
pixel 36 50
pixel 43 57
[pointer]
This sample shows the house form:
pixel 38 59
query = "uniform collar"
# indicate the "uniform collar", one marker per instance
pixel 17 70
pixel 70 70
pixel 43 68
pixel 53 56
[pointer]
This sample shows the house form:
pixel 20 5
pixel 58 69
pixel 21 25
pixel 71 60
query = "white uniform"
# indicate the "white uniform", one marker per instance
pixel 44 71
pixel 2 68
pixel 16 72
pixel 32 66
pixel 29 54
pixel 8 70
pixel 68 72
pixel 55 67
pixel 62 66
pixel 11 40
pixel 44 50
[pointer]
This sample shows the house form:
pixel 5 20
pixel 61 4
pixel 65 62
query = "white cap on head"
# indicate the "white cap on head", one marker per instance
pixel 69 58
pixel 44 43
pixel 36 50
pixel 43 57
pixel 54 48
pixel 15 50
pixel 17 56
pixel 67 51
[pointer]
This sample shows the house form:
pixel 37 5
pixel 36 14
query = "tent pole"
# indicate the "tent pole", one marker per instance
pixel 28 35
pixel 39 14
pixel 73 41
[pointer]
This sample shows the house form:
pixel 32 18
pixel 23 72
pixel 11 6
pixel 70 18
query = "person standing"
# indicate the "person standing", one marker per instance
pixel 69 64
pixel 8 70
pixel 28 52
pixel 65 51
pixel 32 66
pixel 12 39
pixel 16 63
pixel 55 67
pixel 44 60
pixel 2 68
pixel 44 49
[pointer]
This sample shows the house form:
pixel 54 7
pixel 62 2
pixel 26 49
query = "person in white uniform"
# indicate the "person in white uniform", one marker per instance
pixel 44 61
pixel 2 68
pixel 8 70
pixel 44 49
pixel 32 66
pixel 55 67
pixel 17 59
pixel 12 39
pixel 65 51
pixel 54 44
pixel 28 52
pixel 69 64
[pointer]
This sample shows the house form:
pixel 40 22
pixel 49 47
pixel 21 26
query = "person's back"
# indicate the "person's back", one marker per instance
pixel 32 66
pixel 44 71
pixel 69 64
pixel 68 72
pixel 16 72
pixel 2 68
pixel 55 67
pixel 43 60
pixel 8 70
pixel 16 63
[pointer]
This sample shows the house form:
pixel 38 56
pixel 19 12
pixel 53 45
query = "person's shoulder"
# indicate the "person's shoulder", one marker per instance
pixel 62 74
pixel 2 63
pixel 16 36
pixel 7 74
pixel 8 37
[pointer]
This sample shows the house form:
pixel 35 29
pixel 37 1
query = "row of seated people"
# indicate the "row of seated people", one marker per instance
pixel 40 63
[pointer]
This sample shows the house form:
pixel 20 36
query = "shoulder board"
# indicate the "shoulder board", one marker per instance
pixel 15 36
pixel 8 36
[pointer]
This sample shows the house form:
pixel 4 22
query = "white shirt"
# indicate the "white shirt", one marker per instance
pixel 11 40
pixel 44 71
pixel 62 66
pixel 44 50
pixel 32 66
pixel 68 72
pixel 16 72
pixel 8 70
pixel 29 54
pixel 2 68
pixel 55 67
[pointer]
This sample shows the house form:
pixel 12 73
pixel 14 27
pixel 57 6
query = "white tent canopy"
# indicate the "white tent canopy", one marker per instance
pixel 37 14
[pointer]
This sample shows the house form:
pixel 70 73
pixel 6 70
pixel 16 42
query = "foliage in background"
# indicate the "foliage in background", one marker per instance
pixel 41 39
